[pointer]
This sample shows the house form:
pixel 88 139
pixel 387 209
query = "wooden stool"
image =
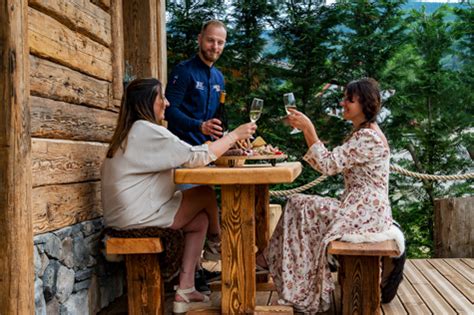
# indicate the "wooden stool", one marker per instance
pixel 359 274
pixel 144 281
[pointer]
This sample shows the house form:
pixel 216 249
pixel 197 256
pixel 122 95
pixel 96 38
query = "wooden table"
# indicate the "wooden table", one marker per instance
pixel 244 222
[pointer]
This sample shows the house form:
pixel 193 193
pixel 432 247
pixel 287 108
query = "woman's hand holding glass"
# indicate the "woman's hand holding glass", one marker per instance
pixel 290 103
pixel 244 131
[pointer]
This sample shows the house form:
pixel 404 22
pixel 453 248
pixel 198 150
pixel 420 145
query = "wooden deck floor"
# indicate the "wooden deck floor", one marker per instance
pixel 430 286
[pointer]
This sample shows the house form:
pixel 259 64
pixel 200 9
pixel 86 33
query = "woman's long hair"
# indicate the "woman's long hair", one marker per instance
pixel 137 104
pixel 368 91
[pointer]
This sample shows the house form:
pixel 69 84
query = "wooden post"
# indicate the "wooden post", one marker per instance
pixel 16 261
pixel 117 49
pixel 262 218
pixel 238 241
pixel 161 42
pixel 145 285
pixel 360 285
pixel 453 227
pixel 145 38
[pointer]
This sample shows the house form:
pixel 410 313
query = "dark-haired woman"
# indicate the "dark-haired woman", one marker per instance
pixel 137 180
pixel 296 255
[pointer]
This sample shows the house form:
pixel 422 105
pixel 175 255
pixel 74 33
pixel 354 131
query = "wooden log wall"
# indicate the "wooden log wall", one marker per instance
pixel 78 52
pixel 75 65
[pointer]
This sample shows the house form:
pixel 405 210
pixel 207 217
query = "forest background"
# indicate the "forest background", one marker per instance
pixel 425 56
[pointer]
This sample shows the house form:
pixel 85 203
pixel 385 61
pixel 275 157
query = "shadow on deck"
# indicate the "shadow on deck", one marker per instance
pixel 430 286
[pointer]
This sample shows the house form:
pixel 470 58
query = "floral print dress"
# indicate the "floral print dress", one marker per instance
pixel 297 251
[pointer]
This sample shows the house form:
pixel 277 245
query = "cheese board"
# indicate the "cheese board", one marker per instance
pixel 239 160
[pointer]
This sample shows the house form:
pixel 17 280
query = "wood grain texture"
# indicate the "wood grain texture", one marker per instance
pixel 139 245
pixel 460 303
pixel 104 4
pixel 51 80
pixel 57 206
pixel 454 227
pixel 59 161
pixel 281 173
pixel 238 256
pixel 162 52
pixel 118 60
pixel 139 19
pixel 433 300
pixel 385 248
pixel 360 284
pixel 59 120
pixel 16 261
pixel 52 40
pixel 80 16
pixel 410 299
pixel 145 285
pixel 461 283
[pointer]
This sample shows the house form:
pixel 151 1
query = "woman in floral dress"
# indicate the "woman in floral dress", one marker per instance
pixel 296 256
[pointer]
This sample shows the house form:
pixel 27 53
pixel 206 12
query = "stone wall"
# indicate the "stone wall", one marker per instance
pixel 71 275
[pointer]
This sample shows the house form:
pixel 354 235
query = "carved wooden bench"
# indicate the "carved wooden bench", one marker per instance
pixel 359 274
pixel 144 282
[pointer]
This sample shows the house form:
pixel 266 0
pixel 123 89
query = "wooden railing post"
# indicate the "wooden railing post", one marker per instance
pixel 16 229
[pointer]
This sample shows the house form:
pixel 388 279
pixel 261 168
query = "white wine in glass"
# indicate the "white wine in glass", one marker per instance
pixel 256 109
pixel 290 103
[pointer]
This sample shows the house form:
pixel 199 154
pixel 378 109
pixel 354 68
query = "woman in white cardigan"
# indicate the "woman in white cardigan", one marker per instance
pixel 137 180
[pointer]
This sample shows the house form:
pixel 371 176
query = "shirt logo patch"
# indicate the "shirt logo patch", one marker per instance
pixel 199 85
pixel 175 78
pixel 217 88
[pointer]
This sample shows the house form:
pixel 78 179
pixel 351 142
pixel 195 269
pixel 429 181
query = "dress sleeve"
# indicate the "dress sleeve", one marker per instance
pixel 364 146
pixel 152 148
pixel 175 92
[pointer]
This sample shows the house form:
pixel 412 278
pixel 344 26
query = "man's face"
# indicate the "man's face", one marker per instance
pixel 212 42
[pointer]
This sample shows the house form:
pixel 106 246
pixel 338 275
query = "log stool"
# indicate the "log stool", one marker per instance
pixel 359 274
pixel 144 282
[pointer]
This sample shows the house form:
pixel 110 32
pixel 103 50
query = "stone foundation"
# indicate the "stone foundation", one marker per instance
pixel 71 274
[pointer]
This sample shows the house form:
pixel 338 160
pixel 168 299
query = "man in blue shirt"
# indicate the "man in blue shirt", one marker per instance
pixel 194 89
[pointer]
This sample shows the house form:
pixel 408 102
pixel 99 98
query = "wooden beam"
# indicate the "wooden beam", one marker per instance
pixel 16 261
pixel 144 27
pixel 385 248
pixel 161 41
pixel 118 63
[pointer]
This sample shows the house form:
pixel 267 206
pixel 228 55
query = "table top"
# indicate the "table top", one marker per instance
pixel 246 174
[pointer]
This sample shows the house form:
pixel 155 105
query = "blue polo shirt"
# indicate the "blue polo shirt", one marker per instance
pixel 193 91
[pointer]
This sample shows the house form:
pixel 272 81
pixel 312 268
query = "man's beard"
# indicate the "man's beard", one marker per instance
pixel 209 58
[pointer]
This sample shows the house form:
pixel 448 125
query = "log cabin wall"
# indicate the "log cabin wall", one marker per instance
pixel 76 70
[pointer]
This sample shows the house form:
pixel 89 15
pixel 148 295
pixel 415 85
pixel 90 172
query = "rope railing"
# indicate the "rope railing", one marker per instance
pixel 393 168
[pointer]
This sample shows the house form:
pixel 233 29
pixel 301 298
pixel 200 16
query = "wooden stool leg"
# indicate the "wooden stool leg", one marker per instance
pixel 360 284
pixel 145 285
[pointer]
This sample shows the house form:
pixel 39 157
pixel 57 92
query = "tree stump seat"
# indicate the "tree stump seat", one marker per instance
pixel 144 280
pixel 359 274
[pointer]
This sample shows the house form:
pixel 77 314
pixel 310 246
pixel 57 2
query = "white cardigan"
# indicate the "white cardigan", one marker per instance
pixel 138 188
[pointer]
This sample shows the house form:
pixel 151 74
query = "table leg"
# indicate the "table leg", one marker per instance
pixel 238 243
pixel 262 218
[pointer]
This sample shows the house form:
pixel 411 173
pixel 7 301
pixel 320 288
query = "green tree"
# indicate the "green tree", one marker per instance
pixel 370 34
pixel 429 116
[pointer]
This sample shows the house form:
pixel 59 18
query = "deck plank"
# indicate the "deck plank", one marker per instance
pixel 433 300
pixel 458 301
pixel 462 268
pixel 461 283
pixel 395 307
pixel 468 261
pixel 409 297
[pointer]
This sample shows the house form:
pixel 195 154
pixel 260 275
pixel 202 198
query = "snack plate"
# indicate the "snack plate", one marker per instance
pixel 231 161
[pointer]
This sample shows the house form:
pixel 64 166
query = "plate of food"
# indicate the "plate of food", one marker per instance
pixel 257 150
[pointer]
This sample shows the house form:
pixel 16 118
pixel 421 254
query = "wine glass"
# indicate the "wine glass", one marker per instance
pixel 290 102
pixel 256 109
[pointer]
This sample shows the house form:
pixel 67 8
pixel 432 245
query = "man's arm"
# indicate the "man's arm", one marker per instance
pixel 175 92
